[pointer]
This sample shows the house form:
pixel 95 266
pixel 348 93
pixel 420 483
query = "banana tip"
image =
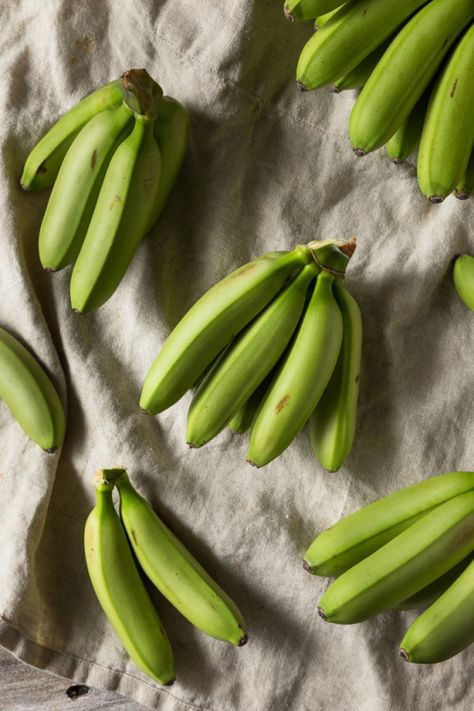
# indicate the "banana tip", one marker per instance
pixel 307 566
pixel 301 86
pixel 51 450
pixel 170 682
pixel 360 153
pixel 462 195
pixel 243 640
pixel 144 410
pixel 321 614
pixel 287 14
pixel 436 199
pixel 333 88
pixel 404 655
pixel 396 160
pixel 253 464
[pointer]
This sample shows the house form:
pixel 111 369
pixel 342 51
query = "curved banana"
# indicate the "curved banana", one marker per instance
pixel 302 378
pixel 465 187
pixel 119 220
pixel 212 322
pixel 434 590
pixel 297 10
pixel 447 140
pixel 247 362
pixel 405 140
pixel 243 418
pixel 43 163
pixel 363 532
pixel 403 566
pixel 348 38
pixel 445 628
pixel 121 592
pixel 404 72
pixel 321 20
pixel 357 77
pixel 77 186
pixel 29 394
pixel 463 278
pixel 332 424
pixel 174 571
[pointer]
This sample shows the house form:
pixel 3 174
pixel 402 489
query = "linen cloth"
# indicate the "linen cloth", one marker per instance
pixel 267 168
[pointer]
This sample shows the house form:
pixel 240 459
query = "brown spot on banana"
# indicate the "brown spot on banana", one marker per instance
pixel 282 403
pixel 453 90
pixel 93 158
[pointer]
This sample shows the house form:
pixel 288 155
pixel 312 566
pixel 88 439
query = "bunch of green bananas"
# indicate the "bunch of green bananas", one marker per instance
pixel 29 394
pixel 111 542
pixel 412 549
pixel 274 344
pixel 112 161
pixel 414 63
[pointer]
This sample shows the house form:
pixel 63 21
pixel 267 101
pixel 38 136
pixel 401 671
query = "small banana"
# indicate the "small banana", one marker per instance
pixel 212 322
pixel 405 70
pixel 297 10
pixel 77 186
pixel 302 378
pixel 43 163
pixel 120 589
pixel 247 362
pixel 357 77
pixel 463 278
pixel 434 590
pixel 332 424
pixel 348 38
pixel 29 394
pixel 363 532
pixel 321 20
pixel 243 418
pixel 446 627
pixel 407 137
pixel 465 187
pixel 403 566
pixel 174 571
pixel 447 140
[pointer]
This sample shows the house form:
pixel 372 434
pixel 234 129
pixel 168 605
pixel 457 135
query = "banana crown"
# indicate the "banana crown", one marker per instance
pixel 141 93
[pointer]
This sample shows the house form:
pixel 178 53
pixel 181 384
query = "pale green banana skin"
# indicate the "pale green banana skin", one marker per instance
pixel 363 532
pixel 406 139
pixel 408 563
pixel 120 218
pixel 446 627
pixel 432 592
pixel 321 20
pixel 348 38
pixel 212 322
pixel 404 72
pixel 247 362
pixel 243 418
pixel 77 186
pixel 121 592
pixel 448 134
pixel 174 571
pixel 302 378
pixel 332 425
pixel 298 10
pixel 30 395
pixel 463 278
pixel 465 187
pixel 357 77
pixel 43 163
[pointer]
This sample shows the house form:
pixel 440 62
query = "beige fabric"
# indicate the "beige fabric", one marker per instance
pixel 267 167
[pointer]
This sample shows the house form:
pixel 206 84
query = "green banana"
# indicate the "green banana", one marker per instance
pixel 321 20
pixel 246 363
pixel 406 138
pixel 357 77
pixel 119 220
pixel 445 628
pixel 332 424
pixel 465 187
pixel 404 72
pixel 463 278
pixel 212 322
pixel 403 566
pixel 302 378
pixel 243 418
pixel 43 163
pixel 77 186
pixel 365 531
pixel 447 140
pixel 298 10
pixel 121 592
pixel 29 394
pixel 434 590
pixel 174 571
pixel 348 38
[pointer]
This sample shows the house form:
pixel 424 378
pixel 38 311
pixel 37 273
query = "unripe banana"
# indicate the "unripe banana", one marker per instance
pixel 29 394
pixel 77 186
pixel 321 20
pixel 120 218
pixel 212 322
pixel 445 628
pixel 465 187
pixel 332 424
pixel 121 592
pixel 302 378
pixel 247 362
pixel 447 140
pixel 243 418
pixel 404 72
pixel 434 590
pixel 348 38
pixel 405 140
pixel 357 77
pixel 463 277
pixel 174 571
pixel 363 532
pixel 417 556
pixel 43 163
pixel 297 10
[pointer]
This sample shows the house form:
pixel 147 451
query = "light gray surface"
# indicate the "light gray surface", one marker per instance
pixel 267 168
